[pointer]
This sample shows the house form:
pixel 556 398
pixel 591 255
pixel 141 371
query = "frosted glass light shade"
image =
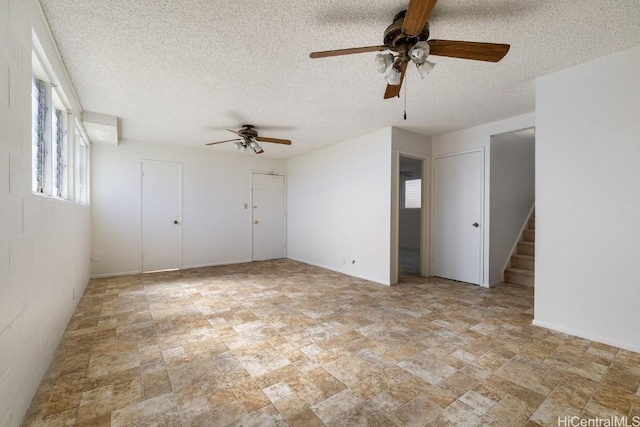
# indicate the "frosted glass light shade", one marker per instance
pixel 393 78
pixel 425 68
pixel 383 61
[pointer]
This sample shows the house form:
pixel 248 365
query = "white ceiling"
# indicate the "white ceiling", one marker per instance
pixel 179 72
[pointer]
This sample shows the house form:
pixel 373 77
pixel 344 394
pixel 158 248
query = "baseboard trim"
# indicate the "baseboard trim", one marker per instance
pixel 359 276
pixel 590 337
pixel 116 274
pixel 215 264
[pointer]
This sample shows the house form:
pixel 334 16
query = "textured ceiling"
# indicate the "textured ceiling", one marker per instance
pixel 179 72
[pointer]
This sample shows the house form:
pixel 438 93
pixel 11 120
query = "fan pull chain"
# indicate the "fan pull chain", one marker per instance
pixel 405 97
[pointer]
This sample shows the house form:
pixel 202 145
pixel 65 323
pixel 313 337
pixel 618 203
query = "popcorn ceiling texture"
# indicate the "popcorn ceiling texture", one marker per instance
pixel 180 72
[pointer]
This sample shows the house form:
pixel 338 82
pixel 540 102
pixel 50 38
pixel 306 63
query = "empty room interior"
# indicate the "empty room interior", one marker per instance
pixel 391 213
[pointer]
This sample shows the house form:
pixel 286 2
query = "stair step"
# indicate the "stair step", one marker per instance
pixel 525 262
pixel 529 235
pixel 526 248
pixel 519 276
pixel 531 224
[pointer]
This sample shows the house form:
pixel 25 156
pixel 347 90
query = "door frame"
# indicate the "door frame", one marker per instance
pixel 180 237
pixel 425 212
pixel 484 228
pixel 284 207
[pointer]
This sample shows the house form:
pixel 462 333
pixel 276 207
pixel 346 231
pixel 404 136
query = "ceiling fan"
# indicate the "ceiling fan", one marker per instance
pixel 406 40
pixel 248 138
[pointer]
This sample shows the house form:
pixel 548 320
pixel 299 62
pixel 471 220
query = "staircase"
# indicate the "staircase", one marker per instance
pixel 522 262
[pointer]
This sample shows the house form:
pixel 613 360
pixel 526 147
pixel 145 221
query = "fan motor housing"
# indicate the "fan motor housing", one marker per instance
pixel 394 37
pixel 247 131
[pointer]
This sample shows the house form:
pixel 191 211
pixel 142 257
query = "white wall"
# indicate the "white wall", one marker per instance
pixel 409 144
pixel 216 227
pixel 588 200
pixel 44 243
pixel 339 201
pixel 479 137
pixel 512 195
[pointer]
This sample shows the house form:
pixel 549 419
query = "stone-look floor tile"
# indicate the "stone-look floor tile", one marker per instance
pixel 350 369
pixel 161 410
pixel 326 383
pixel 553 413
pixel 277 375
pixel 416 412
pixel 477 402
pixel 305 394
pixel 457 415
pixel 336 405
pixel 427 368
pixel 363 415
pixel 251 395
pixel 574 391
pixel 392 398
pixel 532 375
pixel 306 418
pixel 267 416
pixel 511 411
pixel 220 397
pixel 280 342
pixel 193 408
pixel 156 384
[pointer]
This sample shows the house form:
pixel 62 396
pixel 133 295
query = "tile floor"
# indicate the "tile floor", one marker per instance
pixel 283 343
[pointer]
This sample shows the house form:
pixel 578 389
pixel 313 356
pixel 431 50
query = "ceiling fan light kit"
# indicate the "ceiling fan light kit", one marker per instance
pixel 393 78
pixel 383 61
pixel 407 40
pixel 248 138
pixel 425 68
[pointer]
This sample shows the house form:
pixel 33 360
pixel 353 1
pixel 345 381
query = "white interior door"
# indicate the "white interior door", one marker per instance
pixel 268 216
pixel 161 222
pixel 457 214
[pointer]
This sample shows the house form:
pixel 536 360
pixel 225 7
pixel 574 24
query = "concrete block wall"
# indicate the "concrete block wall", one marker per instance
pixel 44 243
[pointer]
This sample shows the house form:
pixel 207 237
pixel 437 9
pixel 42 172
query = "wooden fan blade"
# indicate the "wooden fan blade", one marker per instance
pixel 233 131
pixel 220 142
pixel 393 91
pixel 417 14
pixel 274 140
pixel 349 51
pixel 492 52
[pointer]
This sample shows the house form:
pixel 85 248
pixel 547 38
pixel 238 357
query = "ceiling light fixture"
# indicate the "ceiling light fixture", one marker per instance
pixel 425 68
pixel 419 52
pixel 393 78
pixel 383 61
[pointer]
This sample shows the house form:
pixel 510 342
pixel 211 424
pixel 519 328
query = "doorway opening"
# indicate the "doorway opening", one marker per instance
pixel 410 217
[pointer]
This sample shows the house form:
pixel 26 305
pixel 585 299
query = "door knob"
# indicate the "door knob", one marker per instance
pixel 475 224
pixel 255 222
pixel 175 222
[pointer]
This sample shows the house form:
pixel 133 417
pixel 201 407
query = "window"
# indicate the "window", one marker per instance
pixel 60 159
pixel 412 193
pixel 82 170
pixel 38 133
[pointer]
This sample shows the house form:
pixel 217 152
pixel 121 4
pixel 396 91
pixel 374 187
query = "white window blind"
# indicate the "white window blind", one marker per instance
pixel 413 193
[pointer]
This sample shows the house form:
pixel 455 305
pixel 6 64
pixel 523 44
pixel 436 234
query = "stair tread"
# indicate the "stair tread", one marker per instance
pixel 520 271
pixel 524 256
pixel 524 242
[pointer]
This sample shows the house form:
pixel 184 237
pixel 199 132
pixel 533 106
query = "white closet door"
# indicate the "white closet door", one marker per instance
pixel 457 217
pixel 161 222
pixel 268 217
